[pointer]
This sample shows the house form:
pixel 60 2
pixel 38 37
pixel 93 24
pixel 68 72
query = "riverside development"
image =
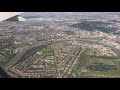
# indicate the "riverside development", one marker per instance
pixel 70 48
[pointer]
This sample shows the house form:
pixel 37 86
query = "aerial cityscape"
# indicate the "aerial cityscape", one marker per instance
pixel 61 45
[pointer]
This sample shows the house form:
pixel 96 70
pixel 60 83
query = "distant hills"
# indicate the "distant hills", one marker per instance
pixel 64 14
pixel 68 13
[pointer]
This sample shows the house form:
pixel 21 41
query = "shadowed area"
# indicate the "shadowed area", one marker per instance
pixel 3 73
pixel 95 25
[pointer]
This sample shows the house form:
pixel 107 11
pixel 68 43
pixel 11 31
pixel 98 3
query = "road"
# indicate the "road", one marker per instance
pixel 71 64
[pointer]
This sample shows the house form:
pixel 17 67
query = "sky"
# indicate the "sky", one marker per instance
pixel 69 13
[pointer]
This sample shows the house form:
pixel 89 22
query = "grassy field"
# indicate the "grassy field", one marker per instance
pixel 98 67
pixel 29 58
pixel 69 32
pixel 48 51
pixel 3 60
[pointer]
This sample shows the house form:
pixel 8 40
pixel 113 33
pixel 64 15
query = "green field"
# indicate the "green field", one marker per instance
pixel 69 32
pixel 29 57
pixel 48 51
pixel 96 67
pixel 3 60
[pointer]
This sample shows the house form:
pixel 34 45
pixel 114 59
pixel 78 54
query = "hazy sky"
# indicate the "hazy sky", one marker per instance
pixel 69 13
